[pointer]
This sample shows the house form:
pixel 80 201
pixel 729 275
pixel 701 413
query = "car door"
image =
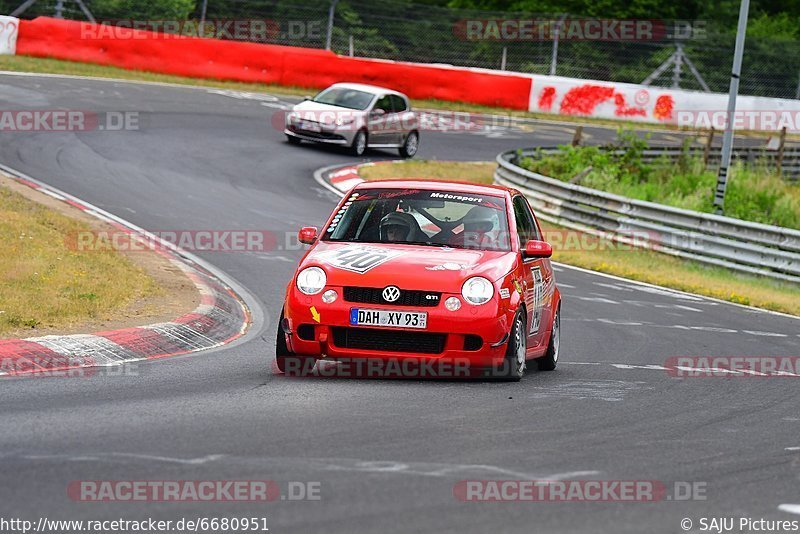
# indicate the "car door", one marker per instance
pixel 402 120
pixel 536 275
pixel 378 124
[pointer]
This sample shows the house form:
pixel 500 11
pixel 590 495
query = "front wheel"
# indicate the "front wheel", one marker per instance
pixel 288 362
pixel 359 145
pixel 514 362
pixel 549 361
pixel 410 146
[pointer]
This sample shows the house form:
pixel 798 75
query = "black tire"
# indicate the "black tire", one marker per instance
pixel 549 361
pixel 410 146
pixel 359 145
pixel 287 362
pixel 293 140
pixel 513 367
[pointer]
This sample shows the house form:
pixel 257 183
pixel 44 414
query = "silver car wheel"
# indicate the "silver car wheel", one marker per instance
pixel 412 143
pixel 521 343
pixel 556 336
pixel 361 143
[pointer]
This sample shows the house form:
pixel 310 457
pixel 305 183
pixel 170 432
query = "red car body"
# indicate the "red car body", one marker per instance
pixel 524 284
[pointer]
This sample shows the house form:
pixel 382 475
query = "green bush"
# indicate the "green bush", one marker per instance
pixel 755 193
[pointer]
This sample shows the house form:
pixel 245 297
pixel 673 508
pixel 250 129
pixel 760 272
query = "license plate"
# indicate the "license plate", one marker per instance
pixel 310 126
pixel 396 319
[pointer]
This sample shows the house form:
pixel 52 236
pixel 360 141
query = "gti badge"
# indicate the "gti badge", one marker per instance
pixel 391 293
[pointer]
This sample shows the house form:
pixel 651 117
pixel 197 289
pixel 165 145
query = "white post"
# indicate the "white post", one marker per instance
pixel 331 13
pixel 203 15
pixel 351 45
pixel 727 139
pixel 554 59
pixel 503 58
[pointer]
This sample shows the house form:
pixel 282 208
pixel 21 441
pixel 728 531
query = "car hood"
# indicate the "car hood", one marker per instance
pixel 325 113
pixel 406 266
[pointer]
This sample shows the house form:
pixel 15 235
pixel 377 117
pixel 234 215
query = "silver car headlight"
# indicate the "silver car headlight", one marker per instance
pixel 311 280
pixel 342 121
pixel 477 290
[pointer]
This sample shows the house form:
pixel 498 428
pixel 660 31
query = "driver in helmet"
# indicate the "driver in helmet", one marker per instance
pixel 396 227
pixel 478 228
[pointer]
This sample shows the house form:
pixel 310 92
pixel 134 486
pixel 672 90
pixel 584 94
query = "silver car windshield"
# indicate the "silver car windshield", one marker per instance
pixel 344 98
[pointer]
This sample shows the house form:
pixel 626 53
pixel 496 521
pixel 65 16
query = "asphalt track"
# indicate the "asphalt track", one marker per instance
pixel 387 453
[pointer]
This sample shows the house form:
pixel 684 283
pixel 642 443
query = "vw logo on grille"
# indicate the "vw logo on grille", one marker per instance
pixel 391 294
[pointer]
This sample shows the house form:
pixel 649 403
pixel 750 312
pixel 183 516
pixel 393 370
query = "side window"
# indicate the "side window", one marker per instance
pixel 398 103
pixel 526 228
pixel 384 103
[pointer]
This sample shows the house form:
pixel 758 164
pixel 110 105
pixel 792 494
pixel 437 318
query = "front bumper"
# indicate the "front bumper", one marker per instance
pixel 327 134
pixel 475 335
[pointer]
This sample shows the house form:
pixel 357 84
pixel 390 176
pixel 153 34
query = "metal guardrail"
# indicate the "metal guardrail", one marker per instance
pixel 712 239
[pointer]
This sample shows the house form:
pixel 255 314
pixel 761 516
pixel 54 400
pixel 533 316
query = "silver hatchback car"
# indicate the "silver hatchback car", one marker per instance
pixel 357 116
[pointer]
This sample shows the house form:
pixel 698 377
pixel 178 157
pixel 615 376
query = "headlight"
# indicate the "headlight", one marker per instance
pixel 477 290
pixel 311 281
pixel 341 121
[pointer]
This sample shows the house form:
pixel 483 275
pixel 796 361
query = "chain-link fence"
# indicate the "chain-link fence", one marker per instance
pixel 699 58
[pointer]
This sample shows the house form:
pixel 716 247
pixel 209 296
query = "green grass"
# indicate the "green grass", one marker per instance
pixel 755 193
pixel 46 283
pixel 583 250
pixel 478 172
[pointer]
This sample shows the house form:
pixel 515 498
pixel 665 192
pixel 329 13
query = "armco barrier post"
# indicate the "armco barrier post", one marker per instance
pixel 576 137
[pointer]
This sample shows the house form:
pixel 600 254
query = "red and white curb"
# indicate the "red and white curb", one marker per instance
pixel 339 179
pixel 345 178
pixel 222 316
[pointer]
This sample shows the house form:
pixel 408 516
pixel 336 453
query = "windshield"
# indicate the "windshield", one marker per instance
pixel 422 217
pixel 344 98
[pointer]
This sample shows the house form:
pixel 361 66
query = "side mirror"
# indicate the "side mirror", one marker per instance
pixel 307 235
pixel 375 113
pixel 537 249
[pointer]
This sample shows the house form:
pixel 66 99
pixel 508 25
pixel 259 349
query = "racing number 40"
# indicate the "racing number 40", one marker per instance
pixel 361 259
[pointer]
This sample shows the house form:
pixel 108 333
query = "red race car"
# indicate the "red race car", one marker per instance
pixel 443 276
